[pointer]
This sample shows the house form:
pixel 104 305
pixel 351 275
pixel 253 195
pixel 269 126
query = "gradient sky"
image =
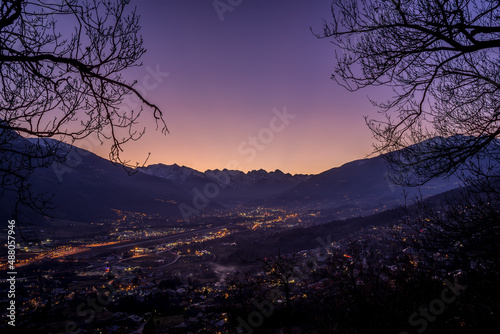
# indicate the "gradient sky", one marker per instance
pixel 226 78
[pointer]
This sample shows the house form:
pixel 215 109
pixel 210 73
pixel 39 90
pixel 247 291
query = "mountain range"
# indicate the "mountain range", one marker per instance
pixel 356 188
pixel 87 188
pixel 237 187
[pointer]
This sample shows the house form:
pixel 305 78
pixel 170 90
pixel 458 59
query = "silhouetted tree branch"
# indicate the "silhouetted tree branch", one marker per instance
pixel 61 65
pixel 441 60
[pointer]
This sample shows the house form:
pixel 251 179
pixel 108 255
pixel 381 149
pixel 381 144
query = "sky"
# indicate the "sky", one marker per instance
pixel 246 87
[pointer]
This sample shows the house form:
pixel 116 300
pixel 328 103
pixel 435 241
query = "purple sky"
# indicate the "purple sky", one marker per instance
pixel 226 78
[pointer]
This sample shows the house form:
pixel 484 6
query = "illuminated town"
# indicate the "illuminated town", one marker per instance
pixel 140 256
pixel 181 278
